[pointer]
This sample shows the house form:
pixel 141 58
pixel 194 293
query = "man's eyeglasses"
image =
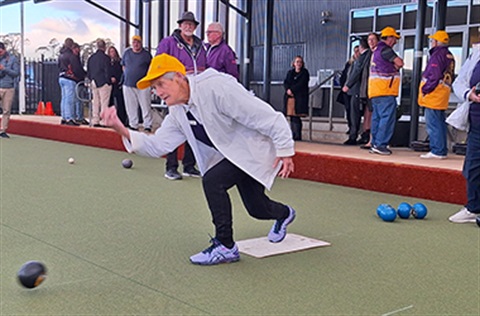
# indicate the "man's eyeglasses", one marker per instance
pixel 209 32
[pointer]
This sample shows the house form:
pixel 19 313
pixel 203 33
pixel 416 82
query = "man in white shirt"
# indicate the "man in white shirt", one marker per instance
pixel 237 139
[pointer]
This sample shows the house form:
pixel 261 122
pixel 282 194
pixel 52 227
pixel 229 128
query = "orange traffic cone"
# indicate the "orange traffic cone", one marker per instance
pixel 49 109
pixel 40 108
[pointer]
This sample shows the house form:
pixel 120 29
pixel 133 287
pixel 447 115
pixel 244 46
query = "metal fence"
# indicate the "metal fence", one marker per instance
pixel 41 85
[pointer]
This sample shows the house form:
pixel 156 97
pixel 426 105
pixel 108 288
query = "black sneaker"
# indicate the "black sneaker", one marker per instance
pixel 191 172
pixel 82 122
pixel 4 135
pixel 173 175
pixel 380 150
pixel 350 141
pixel 72 123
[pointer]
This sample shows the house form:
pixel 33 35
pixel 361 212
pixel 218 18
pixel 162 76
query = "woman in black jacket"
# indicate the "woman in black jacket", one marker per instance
pixel 296 95
pixel 117 76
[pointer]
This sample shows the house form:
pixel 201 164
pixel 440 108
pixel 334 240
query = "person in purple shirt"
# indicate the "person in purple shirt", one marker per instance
pixel 190 51
pixel 220 56
pixel 435 92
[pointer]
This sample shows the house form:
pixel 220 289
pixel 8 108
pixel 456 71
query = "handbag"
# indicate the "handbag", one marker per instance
pixel 291 106
pixel 459 117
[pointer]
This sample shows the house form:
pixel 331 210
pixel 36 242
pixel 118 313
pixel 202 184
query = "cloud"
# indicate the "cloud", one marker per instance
pixel 81 30
pixel 83 9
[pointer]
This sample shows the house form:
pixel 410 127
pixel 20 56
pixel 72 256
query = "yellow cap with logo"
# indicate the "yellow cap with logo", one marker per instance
pixel 160 65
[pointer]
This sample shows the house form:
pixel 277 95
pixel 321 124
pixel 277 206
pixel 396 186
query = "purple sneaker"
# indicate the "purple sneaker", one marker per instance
pixel 279 228
pixel 215 254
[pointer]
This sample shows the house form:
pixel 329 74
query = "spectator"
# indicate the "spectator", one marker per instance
pixel 220 56
pixel 296 94
pixel 366 136
pixel 70 73
pixel 189 49
pixel 383 86
pixel 135 64
pixel 77 103
pixel 98 71
pixel 342 97
pixel 263 147
pixel 9 72
pixel 434 93
pixel 465 87
pixel 357 90
pixel 117 77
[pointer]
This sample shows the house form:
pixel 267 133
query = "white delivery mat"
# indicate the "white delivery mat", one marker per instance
pixel 261 247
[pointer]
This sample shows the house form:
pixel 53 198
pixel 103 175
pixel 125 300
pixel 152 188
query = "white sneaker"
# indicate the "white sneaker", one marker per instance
pixel 463 216
pixel 431 155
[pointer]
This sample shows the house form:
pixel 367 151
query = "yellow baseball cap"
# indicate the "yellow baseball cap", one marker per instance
pixel 440 36
pixel 136 38
pixel 389 31
pixel 160 65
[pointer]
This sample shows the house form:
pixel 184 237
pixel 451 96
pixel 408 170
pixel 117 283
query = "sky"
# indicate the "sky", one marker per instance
pixel 60 19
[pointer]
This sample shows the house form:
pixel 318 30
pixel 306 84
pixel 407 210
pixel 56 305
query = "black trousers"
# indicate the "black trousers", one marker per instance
pixel 355 116
pixel 218 180
pixel 188 160
pixel 117 98
pixel 296 126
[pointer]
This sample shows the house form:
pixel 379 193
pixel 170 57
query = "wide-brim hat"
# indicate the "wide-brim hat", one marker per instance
pixel 440 36
pixel 160 65
pixel 188 16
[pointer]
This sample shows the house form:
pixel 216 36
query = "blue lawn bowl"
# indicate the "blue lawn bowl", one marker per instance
pixel 404 210
pixel 381 207
pixel 419 211
pixel 478 221
pixel 387 213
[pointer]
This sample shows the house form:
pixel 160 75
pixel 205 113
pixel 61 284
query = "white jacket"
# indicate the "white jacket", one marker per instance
pixel 461 85
pixel 459 118
pixel 244 129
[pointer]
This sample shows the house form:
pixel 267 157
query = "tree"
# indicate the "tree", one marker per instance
pixel 86 49
pixel 53 48
pixel 12 43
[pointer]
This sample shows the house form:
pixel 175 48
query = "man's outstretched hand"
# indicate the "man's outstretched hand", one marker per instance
pixel 110 119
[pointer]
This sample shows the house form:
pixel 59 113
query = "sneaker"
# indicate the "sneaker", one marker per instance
pixel 173 175
pixel 4 135
pixel 431 155
pixel 82 122
pixel 215 254
pixel 380 150
pixel 191 172
pixel 71 123
pixel 279 229
pixel 350 141
pixel 463 216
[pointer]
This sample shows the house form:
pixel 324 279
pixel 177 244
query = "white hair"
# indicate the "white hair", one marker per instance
pixel 218 26
pixel 169 75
